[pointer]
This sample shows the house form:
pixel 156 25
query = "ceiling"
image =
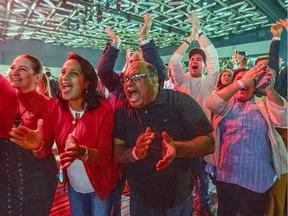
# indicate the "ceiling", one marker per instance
pixel 82 23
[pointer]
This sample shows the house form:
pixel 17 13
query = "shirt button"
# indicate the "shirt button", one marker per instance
pixel 146 111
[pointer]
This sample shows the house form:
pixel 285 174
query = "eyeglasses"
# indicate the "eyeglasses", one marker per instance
pixel 135 78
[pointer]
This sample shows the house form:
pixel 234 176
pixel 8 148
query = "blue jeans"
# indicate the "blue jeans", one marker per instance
pixel 202 186
pixel 89 204
pixel 139 209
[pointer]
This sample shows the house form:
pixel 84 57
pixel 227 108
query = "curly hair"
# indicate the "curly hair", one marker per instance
pixel 91 96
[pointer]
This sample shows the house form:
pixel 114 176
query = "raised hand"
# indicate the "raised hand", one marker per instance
pixel 144 32
pixel 128 54
pixel 72 152
pixel 193 19
pixel 253 74
pixel 284 23
pixel 276 29
pixel 115 39
pixel 143 143
pixel 168 152
pixel 269 75
pixel 26 137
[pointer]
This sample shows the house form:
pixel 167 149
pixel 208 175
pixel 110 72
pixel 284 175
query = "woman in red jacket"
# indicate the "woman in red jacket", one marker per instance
pixel 81 123
pixel 27 183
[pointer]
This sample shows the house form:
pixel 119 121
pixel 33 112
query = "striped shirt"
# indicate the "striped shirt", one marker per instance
pixel 245 155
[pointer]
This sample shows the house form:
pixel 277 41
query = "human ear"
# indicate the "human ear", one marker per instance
pixel 37 78
pixel 154 80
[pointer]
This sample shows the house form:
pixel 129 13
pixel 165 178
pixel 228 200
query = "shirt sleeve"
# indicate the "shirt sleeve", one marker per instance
pixel 151 55
pixel 273 61
pixel 105 138
pixel 176 68
pixel 212 59
pixel 278 114
pixel 107 75
pixel 216 104
pixel 48 129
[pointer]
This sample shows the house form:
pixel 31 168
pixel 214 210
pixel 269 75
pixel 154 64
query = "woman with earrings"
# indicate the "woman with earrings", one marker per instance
pixel 81 123
pixel 27 183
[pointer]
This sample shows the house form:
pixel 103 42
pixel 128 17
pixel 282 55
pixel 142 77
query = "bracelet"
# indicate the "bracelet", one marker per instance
pixel 199 33
pixel 134 153
pixel 241 84
pixel 187 42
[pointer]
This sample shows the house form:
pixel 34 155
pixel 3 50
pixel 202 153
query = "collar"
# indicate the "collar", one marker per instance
pixel 160 99
pixel 26 94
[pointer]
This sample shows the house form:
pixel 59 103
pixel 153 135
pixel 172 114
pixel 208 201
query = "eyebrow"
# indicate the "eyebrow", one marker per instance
pixel 73 69
pixel 22 66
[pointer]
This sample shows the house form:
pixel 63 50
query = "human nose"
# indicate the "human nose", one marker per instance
pixel 129 82
pixel 13 71
pixel 65 76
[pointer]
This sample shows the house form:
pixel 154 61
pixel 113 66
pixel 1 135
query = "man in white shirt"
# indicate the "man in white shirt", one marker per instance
pixel 197 85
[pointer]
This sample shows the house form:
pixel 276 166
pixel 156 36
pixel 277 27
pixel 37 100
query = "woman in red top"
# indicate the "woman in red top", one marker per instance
pixel 81 123
pixel 27 183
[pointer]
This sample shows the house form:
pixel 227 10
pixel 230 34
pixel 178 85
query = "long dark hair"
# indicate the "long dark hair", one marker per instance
pixel 91 95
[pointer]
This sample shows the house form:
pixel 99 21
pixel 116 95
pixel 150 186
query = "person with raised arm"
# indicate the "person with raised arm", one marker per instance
pixel 197 85
pixel 250 154
pixel 112 80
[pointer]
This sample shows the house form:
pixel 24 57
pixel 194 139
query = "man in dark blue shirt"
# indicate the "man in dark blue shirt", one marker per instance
pixel 157 133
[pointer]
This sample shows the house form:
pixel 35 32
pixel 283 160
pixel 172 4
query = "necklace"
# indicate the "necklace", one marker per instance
pixel 28 115
pixel 76 115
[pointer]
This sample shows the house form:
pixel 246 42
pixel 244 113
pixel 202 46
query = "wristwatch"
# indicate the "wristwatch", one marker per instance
pixel 85 156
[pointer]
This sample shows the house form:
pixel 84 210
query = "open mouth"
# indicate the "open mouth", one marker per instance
pixel 194 67
pixel 133 95
pixel 66 87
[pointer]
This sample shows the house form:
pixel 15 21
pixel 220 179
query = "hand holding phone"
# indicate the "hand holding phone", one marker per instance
pixel 264 82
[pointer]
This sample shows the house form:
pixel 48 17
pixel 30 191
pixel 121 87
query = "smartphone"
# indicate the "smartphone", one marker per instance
pixel 264 84
pixel 242 53
pixel 237 53
pixel 263 81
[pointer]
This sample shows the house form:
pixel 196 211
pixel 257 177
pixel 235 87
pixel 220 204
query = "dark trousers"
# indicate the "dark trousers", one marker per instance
pixel 118 196
pixel 233 198
pixel 137 208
